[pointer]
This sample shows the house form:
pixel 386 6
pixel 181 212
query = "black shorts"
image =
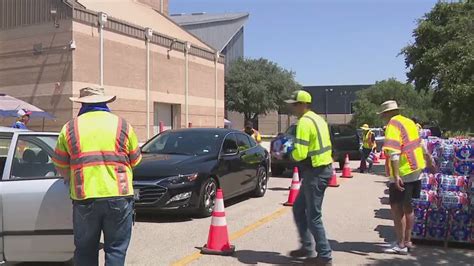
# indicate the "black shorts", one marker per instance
pixel 412 191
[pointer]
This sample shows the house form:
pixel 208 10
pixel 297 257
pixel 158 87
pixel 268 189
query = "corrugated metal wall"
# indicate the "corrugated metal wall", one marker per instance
pixel 234 49
pixel 16 13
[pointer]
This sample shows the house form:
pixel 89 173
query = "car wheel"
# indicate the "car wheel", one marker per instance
pixel 277 170
pixel 262 181
pixel 207 198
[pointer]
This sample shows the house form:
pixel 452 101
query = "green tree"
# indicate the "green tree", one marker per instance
pixel 257 86
pixel 415 104
pixel 441 59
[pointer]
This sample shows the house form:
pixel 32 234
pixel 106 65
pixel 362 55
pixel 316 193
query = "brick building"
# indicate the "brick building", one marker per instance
pixel 49 49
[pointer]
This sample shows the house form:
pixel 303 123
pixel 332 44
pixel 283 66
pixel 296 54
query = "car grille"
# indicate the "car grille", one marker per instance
pixel 149 194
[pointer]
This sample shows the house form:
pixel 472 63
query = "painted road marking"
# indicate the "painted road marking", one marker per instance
pixel 277 214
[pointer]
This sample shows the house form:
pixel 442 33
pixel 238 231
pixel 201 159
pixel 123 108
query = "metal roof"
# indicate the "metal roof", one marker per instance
pixel 217 30
pixel 200 18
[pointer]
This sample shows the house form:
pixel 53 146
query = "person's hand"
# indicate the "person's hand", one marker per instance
pixel 399 183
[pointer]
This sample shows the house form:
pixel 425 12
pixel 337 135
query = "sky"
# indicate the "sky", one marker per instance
pixel 325 42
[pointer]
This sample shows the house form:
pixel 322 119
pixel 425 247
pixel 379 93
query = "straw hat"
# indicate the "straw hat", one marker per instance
pixel 93 95
pixel 389 106
pixel 365 127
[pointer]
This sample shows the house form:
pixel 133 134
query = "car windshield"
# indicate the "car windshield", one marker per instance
pixel 185 143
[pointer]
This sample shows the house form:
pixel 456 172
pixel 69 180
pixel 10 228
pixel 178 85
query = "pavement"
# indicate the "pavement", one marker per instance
pixel 356 217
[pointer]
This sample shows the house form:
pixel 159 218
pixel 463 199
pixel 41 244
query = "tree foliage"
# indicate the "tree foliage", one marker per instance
pixel 442 59
pixel 257 86
pixel 415 104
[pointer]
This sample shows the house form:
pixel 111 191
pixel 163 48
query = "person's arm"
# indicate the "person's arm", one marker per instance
pixel 395 161
pixel 428 158
pixel 393 146
pixel 61 157
pixel 134 152
pixel 301 145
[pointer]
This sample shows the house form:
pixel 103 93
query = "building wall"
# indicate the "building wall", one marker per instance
pixel 125 72
pixel 156 4
pixel 42 78
pixel 334 99
pixel 270 124
pixel 49 77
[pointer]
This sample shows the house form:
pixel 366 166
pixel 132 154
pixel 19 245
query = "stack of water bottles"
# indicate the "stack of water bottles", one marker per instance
pixel 445 210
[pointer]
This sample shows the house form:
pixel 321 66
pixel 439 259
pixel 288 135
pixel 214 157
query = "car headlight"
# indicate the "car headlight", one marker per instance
pixel 180 179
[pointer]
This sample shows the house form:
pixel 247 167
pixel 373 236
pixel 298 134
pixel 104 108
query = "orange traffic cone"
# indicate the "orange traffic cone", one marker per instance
pixel 346 171
pixel 376 159
pixel 295 188
pixel 333 181
pixel 218 240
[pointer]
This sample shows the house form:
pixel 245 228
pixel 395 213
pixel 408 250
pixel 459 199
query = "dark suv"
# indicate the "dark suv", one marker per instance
pixel 344 138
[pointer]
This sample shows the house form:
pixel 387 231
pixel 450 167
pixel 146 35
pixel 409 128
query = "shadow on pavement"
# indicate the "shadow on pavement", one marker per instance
pixel 357 248
pixel 427 255
pixel 384 201
pixel 279 188
pixel 285 175
pixel 383 214
pixel 268 257
pixel 378 169
pixel 163 218
pixel 386 232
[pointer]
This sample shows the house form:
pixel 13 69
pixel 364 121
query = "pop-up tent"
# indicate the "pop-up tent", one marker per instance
pixel 9 107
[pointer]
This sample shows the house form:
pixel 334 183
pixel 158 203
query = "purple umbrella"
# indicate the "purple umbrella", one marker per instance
pixel 9 107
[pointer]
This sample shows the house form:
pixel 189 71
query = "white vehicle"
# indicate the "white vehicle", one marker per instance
pixel 35 209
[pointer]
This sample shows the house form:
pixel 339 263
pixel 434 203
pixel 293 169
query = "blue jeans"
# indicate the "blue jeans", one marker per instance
pixel 307 209
pixel 113 217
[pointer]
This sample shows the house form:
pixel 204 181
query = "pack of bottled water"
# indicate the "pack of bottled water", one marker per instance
pixel 445 209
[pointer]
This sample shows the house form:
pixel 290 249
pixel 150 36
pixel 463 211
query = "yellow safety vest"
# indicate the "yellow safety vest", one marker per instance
pixel 312 140
pixel 367 141
pixel 100 149
pixel 256 136
pixel 401 136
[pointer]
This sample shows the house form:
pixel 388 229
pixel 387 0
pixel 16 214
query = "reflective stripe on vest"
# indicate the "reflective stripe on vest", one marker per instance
pixel 407 147
pixel 302 142
pixel 75 148
pixel 120 146
pixel 117 158
pixel 321 149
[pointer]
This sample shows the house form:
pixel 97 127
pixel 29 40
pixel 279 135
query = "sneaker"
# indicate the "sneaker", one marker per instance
pixel 409 246
pixel 318 261
pixel 301 253
pixel 396 249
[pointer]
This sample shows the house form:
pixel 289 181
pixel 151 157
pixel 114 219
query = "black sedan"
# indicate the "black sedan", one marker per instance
pixel 182 169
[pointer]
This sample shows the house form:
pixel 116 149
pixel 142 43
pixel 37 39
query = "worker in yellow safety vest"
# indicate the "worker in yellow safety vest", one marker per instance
pixel 252 132
pixel 368 146
pixel 406 160
pixel 95 153
pixel 313 154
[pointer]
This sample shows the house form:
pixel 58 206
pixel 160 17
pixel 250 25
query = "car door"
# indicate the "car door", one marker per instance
pixel 247 157
pixel 37 211
pixel 253 161
pixel 230 166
